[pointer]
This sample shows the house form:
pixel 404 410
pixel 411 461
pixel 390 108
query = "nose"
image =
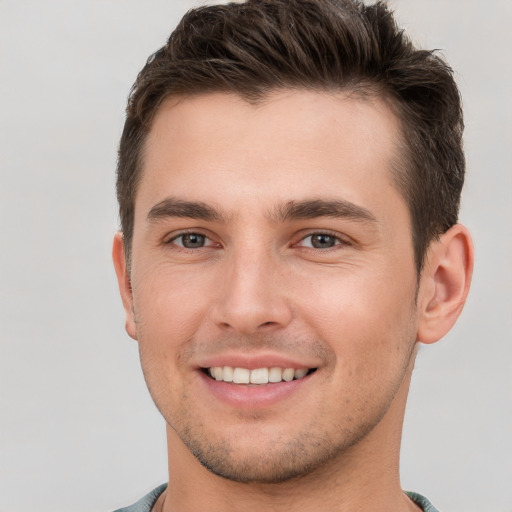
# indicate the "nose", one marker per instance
pixel 252 296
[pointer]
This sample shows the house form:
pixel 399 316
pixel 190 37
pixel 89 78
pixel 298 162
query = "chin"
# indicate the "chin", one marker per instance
pixel 272 461
pixel 278 466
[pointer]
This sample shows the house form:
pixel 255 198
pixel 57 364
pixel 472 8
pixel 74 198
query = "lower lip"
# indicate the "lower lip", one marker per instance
pixel 245 396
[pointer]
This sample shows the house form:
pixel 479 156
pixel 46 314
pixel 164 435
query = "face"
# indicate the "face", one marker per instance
pixel 272 280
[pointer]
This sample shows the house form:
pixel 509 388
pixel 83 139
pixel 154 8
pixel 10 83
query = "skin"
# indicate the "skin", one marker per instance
pixel 259 285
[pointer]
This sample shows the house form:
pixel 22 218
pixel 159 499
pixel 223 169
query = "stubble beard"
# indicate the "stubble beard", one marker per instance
pixel 287 461
pixel 316 451
pixel 312 451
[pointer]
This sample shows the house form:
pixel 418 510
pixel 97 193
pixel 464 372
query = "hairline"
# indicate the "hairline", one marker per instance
pixel 357 90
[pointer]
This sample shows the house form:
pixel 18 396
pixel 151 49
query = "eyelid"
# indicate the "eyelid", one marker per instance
pixel 340 239
pixel 210 241
pixel 170 239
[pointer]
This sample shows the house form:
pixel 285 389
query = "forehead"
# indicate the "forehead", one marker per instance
pixel 291 145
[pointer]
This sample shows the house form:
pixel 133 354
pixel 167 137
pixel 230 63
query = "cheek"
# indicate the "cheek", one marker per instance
pixel 169 302
pixel 168 311
pixel 368 320
pixel 169 307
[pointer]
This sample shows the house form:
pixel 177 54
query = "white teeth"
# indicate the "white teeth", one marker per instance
pixel 256 376
pixel 227 374
pixel 259 376
pixel 274 375
pixel 298 374
pixel 218 373
pixel 241 376
pixel 288 374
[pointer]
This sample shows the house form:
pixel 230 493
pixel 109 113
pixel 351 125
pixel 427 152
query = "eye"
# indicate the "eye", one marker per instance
pixel 320 241
pixel 190 240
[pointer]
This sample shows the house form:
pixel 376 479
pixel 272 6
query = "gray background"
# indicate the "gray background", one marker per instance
pixel 78 429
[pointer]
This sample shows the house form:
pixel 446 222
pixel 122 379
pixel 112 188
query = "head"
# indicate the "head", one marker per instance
pixel 289 179
pixel 251 49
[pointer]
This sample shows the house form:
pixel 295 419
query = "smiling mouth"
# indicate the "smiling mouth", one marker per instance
pixel 259 376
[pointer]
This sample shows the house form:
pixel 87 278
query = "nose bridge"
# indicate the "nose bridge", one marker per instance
pixel 251 296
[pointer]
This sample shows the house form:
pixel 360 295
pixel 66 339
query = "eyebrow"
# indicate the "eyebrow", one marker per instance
pixel 291 210
pixel 172 207
pixel 311 209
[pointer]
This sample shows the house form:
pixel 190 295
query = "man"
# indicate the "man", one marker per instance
pixel 289 181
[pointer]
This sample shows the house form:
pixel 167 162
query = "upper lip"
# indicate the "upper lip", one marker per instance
pixel 256 360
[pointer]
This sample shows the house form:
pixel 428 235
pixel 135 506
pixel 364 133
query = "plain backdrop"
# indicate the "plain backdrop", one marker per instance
pixel 78 431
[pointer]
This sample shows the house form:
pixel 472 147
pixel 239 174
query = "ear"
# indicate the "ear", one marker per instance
pixel 444 284
pixel 125 286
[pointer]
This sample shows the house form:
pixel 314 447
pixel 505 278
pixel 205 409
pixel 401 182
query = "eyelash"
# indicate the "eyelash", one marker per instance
pixel 173 239
pixel 338 241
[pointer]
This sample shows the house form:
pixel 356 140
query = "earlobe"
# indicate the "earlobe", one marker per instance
pixel 125 288
pixel 444 284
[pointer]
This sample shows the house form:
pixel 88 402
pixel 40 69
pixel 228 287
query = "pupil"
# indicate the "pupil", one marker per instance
pixel 322 241
pixel 193 240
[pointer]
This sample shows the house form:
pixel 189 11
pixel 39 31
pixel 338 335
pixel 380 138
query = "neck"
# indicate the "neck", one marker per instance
pixel 362 478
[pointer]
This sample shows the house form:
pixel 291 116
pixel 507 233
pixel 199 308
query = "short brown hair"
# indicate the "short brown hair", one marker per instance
pixel 259 46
